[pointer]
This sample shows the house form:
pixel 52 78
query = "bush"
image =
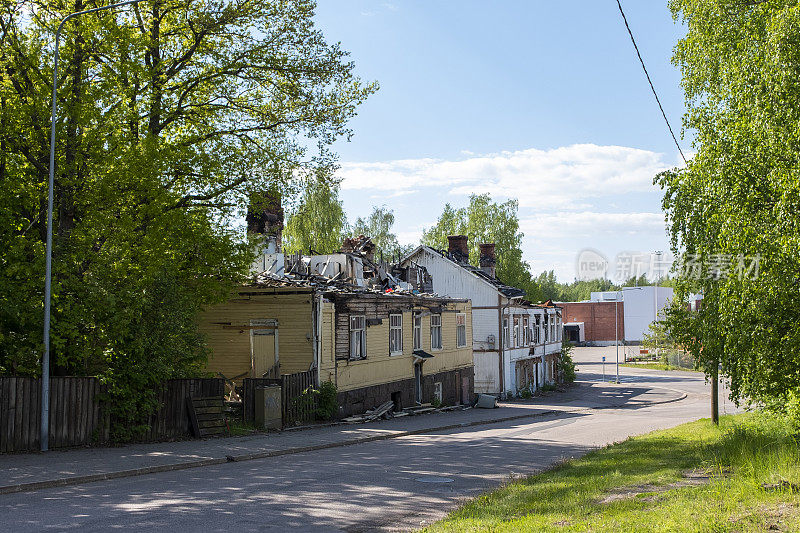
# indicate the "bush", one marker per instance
pixel 327 405
pixel 566 366
pixel 525 393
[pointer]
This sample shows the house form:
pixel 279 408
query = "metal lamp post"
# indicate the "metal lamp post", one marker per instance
pixel 45 418
pixel 616 320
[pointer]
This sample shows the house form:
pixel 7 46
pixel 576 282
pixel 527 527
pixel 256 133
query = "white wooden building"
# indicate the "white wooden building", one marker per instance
pixel 516 344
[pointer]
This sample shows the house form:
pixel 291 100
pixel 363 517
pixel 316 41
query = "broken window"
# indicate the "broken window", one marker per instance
pixel 395 334
pixel 436 332
pixel 358 337
pixel 461 330
pixel 417 331
pixel 526 337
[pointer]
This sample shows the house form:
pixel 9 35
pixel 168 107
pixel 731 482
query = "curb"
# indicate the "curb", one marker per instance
pixel 80 480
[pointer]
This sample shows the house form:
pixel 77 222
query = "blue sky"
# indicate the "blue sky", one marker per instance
pixel 541 101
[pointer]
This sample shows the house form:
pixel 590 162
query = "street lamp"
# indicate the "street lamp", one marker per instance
pixel 45 418
pixel 616 321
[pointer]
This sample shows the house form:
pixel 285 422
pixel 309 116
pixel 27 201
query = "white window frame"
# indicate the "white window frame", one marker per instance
pixel 358 337
pixel 461 330
pixel 396 334
pixel 436 333
pixel 516 332
pixel 506 334
pixel 526 325
pixel 417 321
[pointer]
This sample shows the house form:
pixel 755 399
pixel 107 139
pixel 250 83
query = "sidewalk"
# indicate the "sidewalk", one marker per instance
pixel 33 471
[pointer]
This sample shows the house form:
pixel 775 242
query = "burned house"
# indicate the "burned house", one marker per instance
pixel 350 320
pixel 516 344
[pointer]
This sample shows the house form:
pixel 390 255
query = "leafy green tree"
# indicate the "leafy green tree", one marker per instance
pixel 739 195
pixel 319 222
pixel 378 226
pixel 485 221
pixel 171 113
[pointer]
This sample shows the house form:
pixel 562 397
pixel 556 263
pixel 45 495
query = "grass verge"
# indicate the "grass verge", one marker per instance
pixel 641 484
pixel 657 366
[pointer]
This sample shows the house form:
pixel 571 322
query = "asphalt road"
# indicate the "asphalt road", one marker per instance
pixel 397 484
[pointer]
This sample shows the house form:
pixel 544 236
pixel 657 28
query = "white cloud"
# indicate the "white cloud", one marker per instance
pixel 572 197
pixel 594 224
pixel 565 177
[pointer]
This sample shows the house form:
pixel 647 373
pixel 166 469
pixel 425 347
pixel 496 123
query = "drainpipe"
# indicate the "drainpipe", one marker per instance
pixel 317 328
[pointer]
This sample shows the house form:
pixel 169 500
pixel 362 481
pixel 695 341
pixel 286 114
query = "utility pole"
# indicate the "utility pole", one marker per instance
pixel 44 429
pixel 715 392
pixel 655 295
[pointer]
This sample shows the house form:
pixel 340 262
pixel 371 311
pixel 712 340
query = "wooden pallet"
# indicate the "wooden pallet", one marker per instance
pixel 207 416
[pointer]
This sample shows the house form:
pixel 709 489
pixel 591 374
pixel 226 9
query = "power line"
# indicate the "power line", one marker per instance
pixel 658 101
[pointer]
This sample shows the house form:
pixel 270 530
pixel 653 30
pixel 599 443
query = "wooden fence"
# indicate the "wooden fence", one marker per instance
pixel 296 407
pixel 77 416
pixel 172 418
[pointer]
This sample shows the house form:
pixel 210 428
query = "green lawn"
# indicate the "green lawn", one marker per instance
pixel 641 485
pixel 657 366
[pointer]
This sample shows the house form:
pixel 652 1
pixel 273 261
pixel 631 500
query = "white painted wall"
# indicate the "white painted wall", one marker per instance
pixel 453 281
pixel 641 305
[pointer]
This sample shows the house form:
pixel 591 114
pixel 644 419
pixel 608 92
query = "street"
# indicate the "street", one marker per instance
pixel 396 484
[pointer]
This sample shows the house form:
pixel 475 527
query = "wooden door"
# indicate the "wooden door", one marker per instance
pixel 263 346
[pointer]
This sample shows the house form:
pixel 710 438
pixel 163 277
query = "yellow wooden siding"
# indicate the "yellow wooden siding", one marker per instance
pixel 230 348
pixel 379 367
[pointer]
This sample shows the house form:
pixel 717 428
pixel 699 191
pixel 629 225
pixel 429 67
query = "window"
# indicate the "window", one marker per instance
pixel 358 337
pixel 436 332
pixel 461 330
pixel 536 331
pixel 395 334
pixel 417 331
pixel 505 332
pixel 516 332
pixel 545 328
pixel 526 336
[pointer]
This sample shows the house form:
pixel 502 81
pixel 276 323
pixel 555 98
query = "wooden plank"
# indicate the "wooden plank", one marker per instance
pixel 67 402
pixel 80 434
pixel 203 424
pixel 11 414
pixel 19 414
pixel 33 413
pixel 4 414
pixel 90 411
pixel 22 401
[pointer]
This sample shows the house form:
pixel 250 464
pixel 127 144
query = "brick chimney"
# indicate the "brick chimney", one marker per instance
pixel 265 217
pixel 488 258
pixel 458 247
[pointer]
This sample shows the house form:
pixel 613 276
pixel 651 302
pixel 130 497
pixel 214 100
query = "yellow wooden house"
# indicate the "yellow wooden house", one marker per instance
pixel 373 346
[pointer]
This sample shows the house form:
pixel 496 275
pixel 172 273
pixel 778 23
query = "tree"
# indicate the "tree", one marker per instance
pixel 171 113
pixel 378 226
pixel 485 221
pixel 735 204
pixel 319 222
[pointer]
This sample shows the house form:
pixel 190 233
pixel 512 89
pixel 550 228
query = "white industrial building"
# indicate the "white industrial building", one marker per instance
pixel 641 307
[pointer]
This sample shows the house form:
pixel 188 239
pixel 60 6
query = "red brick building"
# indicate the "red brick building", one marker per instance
pixel 597 319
